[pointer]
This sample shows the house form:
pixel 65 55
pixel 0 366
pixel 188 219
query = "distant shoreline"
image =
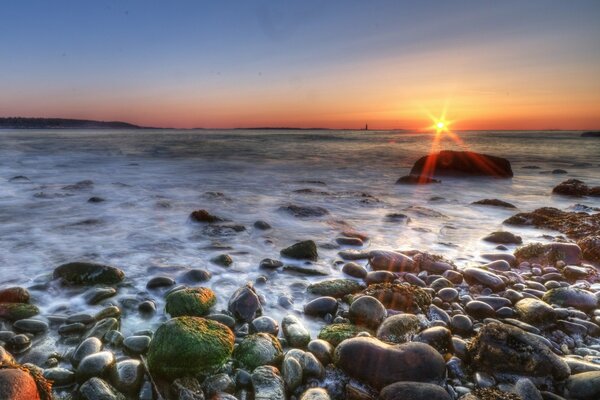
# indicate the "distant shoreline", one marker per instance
pixel 26 123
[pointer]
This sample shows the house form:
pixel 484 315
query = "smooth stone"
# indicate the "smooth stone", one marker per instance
pixel 321 306
pixel 291 372
pixel 97 364
pixel 509 258
pixel 349 241
pixel 160 282
pixel 89 346
pixel 453 276
pixel 137 344
pixel 98 389
pixel 262 225
pixel 367 311
pixel 127 376
pixel 222 318
pixel 197 275
pixel 461 324
pixel 59 376
pixel 294 331
pixel 147 307
pixel 390 261
pixel 322 350
pixel 216 386
pixel 382 364
pixel 527 390
pixel 495 302
pixel 311 366
pixel 448 294
pixel 258 349
pixel 266 325
pixel 479 310
pixel 413 391
pixel 96 295
pixel 268 384
pixel 440 338
pixel 102 327
pixel 483 277
pixel 31 325
pixel 379 277
pixel 354 270
pixel 584 386
pixel 244 304
pixel 222 260
pixel 535 312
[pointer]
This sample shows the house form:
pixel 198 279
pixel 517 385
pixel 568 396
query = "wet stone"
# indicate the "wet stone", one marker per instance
pixel 31 326
pixel 159 282
pixel 136 344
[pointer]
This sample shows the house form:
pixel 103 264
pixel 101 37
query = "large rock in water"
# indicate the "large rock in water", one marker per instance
pixel 575 188
pixel 86 273
pixel 305 250
pixel 189 346
pixel 573 224
pixel 461 163
pixel 379 364
pixel 504 351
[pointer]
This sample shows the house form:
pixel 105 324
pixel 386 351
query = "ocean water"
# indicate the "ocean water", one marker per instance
pixel 152 180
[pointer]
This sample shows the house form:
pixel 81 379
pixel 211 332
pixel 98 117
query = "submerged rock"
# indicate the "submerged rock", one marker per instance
pixel 504 350
pixel 378 364
pixel 503 237
pixel 189 346
pixel 573 224
pixel 462 163
pixel 416 180
pixel 194 302
pixel 87 273
pixel 576 188
pixel 494 203
pixel 305 250
pixel 304 211
pixel 204 216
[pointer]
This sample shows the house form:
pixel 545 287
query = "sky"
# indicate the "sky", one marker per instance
pixel 224 64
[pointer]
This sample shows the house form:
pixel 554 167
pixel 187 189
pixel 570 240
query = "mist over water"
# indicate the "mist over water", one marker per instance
pixel 152 180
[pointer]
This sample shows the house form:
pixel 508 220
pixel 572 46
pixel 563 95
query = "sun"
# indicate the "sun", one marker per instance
pixel 440 125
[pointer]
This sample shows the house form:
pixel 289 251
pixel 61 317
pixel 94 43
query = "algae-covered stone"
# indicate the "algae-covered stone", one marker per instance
pixel 16 311
pixel 258 349
pixel 189 346
pixel 305 250
pixel 335 287
pixel 14 295
pixel 571 297
pixel 401 297
pixel 336 333
pixel 195 302
pixel 398 328
pixel 86 273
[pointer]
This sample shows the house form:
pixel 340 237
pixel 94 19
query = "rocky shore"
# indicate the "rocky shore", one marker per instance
pixel 402 324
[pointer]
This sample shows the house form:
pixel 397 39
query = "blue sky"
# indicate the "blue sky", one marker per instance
pixel 232 63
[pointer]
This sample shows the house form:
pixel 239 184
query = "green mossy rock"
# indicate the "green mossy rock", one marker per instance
pixel 86 273
pixel 195 302
pixel 258 349
pixel 335 287
pixel 189 346
pixel 17 311
pixel 337 333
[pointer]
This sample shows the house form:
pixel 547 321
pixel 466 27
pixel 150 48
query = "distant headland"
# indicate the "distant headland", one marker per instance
pixel 62 123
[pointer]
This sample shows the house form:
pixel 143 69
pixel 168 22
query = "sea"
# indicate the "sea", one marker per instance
pixel 151 180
